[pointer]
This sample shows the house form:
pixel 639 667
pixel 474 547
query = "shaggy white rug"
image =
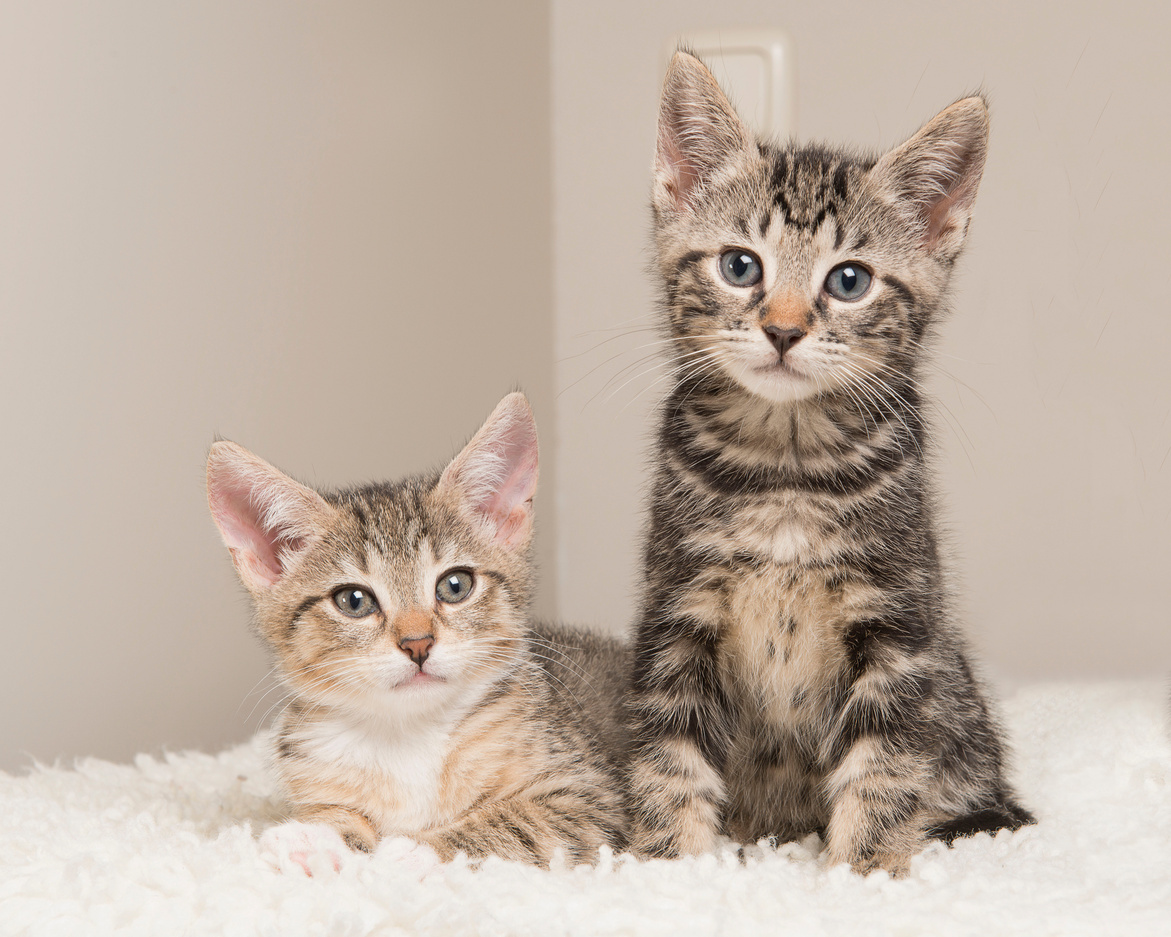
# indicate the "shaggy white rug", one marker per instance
pixel 168 847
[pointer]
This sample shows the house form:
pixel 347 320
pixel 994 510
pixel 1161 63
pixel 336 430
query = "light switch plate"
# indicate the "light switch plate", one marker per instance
pixel 755 66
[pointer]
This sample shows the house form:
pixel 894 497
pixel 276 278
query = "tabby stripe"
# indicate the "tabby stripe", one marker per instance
pixel 699 678
pixel 688 260
pixel 724 478
pixel 841 175
pixel 889 811
pixel 496 693
pixel 905 295
pixel 693 720
pixel 899 720
pixel 864 640
pixel 522 836
pixel 301 610
pixel 660 632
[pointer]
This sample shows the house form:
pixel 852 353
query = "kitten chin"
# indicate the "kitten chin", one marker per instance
pixel 786 381
pixel 423 701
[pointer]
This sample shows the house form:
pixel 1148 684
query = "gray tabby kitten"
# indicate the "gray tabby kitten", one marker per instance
pixel 423 702
pixel 795 665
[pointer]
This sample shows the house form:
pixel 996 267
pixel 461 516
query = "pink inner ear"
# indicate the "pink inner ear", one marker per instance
pixel 235 512
pixel 496 474
pixel 263 515
pixel 510 505
pixel 941 219
pixel 681 172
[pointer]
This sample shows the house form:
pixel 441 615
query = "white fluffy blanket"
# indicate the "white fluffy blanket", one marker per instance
pixel 168 847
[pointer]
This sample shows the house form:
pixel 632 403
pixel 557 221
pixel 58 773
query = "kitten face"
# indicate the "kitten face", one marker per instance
pixel 389 599
pixel 400 603
pixel 803 271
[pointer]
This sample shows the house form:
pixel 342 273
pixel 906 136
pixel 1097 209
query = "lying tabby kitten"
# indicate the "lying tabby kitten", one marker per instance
pixel 796 668
pixel 424 704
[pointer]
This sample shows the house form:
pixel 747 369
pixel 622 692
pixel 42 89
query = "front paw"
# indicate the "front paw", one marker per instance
pixel 418 859
pixel 897 864
pixel 685 839
pixel 312 848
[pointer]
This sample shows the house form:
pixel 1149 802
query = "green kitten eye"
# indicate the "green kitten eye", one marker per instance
pixel 355 602
pixel 455 585
pixel 848 282
pixel 741 268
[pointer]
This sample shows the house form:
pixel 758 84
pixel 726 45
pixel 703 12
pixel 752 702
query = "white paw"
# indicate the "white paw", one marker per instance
pixel 415 858
pixel 312 848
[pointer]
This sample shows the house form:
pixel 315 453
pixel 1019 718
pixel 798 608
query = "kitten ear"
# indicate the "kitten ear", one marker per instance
pixel 699 132
pixel 935 174
pixel 495 476
pixel 265 518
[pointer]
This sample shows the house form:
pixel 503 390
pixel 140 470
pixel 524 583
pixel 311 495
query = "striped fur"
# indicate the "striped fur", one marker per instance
pixel 504 739
pixel 795 665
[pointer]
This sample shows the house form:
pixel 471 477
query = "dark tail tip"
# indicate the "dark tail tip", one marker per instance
pixel 1004 816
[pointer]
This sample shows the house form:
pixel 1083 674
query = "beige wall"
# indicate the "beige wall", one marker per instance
pixel 335 233
pixel 321 230
pixel 1054 376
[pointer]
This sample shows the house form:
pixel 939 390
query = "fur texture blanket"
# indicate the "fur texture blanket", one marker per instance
pixel 168 846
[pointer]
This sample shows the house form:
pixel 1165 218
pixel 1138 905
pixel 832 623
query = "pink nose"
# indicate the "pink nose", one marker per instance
pixel 417 649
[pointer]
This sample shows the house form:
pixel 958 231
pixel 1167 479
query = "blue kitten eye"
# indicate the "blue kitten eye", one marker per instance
pixel 741 268
pixel 455 585
pixel 355 602
pixel 848 282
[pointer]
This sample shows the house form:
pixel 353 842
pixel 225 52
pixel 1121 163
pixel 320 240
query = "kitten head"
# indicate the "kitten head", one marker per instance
pixel 799 271
pixel 389 597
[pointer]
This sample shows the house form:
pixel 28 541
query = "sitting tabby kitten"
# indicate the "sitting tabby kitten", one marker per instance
pixel 423 704
pixel 795 666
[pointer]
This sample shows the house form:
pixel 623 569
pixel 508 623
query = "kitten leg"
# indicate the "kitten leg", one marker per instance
pixel 677 799
pixel 529 828
pixel 682 734
pixel 879 778
pixel 876 821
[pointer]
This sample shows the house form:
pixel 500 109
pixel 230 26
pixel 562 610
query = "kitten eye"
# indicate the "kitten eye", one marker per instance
pixel 355 602
pixel 455 585
pixel 740 268
pixel 848 281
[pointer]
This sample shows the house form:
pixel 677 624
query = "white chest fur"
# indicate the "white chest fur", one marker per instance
pixel 397 768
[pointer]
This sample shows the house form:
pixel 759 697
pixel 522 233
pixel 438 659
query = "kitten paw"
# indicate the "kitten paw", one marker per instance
pixel 897 865
pixel 311 848
pixel 416 858
pixel 894 863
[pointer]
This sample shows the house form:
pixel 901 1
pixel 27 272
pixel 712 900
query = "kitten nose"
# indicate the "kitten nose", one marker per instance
pixel 417 649
pixel 783 339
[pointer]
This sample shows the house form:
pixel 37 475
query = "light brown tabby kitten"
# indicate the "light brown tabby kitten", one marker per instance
pixel 424 704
